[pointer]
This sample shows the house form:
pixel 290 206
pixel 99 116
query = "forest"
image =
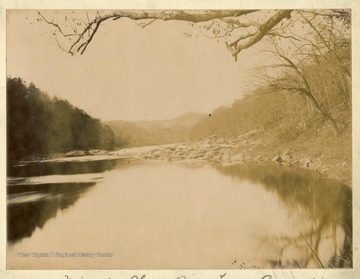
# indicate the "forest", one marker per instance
pixel 292 98
pixel 38 125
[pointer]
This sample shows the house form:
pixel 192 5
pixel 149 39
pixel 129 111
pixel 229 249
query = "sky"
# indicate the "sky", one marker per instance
pixel 130 73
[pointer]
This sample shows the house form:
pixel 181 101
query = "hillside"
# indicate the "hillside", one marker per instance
pixel 283 127
pixel 141 133
pixel 38 125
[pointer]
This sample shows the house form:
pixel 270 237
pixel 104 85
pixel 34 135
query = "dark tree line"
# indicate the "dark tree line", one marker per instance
pixel 38 125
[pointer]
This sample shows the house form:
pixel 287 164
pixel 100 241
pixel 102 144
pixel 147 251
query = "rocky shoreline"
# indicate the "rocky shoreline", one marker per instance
pixel 225 152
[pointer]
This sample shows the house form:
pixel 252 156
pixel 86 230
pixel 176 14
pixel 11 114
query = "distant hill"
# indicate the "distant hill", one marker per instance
pixel 188 119
pixel 140 133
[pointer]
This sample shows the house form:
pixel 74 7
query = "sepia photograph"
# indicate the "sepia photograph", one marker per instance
pixel 179 139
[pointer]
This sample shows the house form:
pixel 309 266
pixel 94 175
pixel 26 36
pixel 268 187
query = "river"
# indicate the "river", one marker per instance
pixel 143 214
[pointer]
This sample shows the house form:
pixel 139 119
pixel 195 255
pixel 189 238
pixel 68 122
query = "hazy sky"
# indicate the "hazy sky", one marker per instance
pixel 127 72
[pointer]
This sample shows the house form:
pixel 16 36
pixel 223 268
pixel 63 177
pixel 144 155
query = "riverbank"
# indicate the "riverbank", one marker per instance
pixel 332 157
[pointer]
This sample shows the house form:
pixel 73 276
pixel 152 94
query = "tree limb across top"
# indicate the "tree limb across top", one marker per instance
pixel 83 35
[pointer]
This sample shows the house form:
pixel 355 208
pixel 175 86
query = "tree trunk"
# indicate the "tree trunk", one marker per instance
pixel 323 112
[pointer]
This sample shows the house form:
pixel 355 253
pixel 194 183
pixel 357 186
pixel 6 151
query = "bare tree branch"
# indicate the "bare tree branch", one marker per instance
pixel 240 24
pixel 145 24
pixel 283 36
pixel 86 35
pixel 263 30
pixel 56 26
pixel 89 29
pixel 306 88
pixel 227 32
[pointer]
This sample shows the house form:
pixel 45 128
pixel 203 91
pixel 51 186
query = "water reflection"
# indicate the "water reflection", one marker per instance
pixel 31 206
pixel 321 211
pixel 193 216
pixel 38 190
pixel 63 168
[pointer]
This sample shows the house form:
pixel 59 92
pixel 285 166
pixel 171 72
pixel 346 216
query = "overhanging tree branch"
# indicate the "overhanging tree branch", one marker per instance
pixel 262 31
pixel 86 35
pixel 88 31
pixel 56 26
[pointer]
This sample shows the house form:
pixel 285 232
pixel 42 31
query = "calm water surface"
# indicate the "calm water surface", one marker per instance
pixel 120 214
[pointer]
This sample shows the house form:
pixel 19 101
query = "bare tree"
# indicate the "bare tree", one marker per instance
pixel 294 79
pixel 314 60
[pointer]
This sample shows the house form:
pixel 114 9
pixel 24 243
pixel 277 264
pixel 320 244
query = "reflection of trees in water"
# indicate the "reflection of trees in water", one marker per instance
pixel 24 218
pixel 321 210
pixel 70 167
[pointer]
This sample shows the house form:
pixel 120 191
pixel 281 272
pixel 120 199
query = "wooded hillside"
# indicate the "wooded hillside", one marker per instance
pixel 38 124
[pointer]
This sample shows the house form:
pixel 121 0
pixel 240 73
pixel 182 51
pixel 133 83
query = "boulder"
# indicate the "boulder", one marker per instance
pixel 156 153
pixel 75 153
pixel 305 162
pixel 285 158
pixel 237 158
pixel 277 159
pixel 226 156
pixel 286 152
